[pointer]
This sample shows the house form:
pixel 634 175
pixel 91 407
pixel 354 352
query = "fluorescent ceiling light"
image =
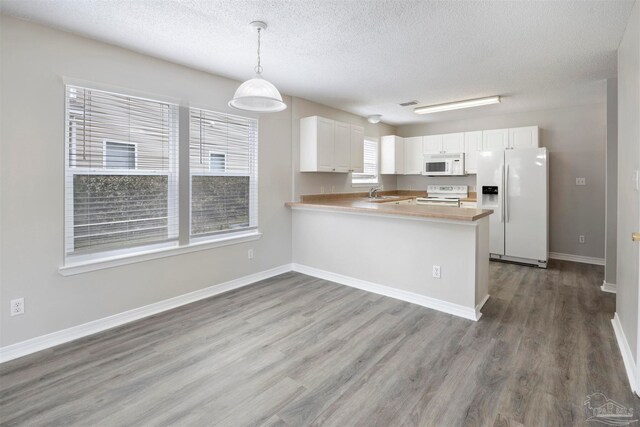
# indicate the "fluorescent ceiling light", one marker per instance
pixel 457 105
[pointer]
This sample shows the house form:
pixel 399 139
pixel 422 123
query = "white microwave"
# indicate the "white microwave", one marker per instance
pixel 443 164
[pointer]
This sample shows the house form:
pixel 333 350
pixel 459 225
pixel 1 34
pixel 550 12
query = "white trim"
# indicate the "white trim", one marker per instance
pixel 609 287
pixel 140 256
pixel 60 337
pixel 364 184
pixel 479 306
pixel 625 350
pixel 576 258
pixel 433 303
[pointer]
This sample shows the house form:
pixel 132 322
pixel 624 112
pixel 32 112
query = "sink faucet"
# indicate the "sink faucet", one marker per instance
pixel 373 192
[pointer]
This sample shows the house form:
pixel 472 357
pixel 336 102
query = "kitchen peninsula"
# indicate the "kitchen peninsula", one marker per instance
pixel 434 256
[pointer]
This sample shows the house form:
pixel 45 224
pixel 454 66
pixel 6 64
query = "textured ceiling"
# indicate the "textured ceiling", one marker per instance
pixel 367 56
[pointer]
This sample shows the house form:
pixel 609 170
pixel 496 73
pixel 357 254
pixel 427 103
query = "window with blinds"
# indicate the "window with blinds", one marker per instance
pixel 370 171
pixel 223 159
pixel 121 181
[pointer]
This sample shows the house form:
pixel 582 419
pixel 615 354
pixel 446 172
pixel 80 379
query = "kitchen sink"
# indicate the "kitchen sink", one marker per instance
pixel 383 198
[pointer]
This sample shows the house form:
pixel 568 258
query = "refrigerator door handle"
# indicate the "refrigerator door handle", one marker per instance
pixel 506 195
pixel 501 205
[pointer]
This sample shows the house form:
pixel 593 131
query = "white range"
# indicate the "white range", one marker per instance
pixel 444 195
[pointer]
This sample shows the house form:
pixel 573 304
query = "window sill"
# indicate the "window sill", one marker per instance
pixel 365 184
pixel 100 264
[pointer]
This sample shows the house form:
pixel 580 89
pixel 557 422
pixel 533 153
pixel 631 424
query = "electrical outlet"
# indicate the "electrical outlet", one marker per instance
pixel 581 181
pixel 636 179
pixel 333 188
pixel 436 271
pixel 17 306
pixel 250 253
pixel 581 239
pixel 322 189
pixel 410 188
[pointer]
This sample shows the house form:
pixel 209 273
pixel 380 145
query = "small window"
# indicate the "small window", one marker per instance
pixel 119 155
pixel 217 162
pixel 370 172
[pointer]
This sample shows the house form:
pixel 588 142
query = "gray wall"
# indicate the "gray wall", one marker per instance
pixel 310 182
pixel 576 139
pixel 34 61
pixel 628 165
pixel 611 231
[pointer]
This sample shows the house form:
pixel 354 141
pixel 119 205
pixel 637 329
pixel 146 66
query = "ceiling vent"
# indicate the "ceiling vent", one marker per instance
pixel 408 103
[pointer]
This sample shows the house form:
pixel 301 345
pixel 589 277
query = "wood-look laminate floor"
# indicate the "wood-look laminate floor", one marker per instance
pixel 294 350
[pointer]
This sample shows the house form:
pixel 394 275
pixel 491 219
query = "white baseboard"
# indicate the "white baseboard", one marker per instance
pixel 60 337
pixel 576 258
pixel 479 306
pixel 627 355
pixel 609 287
pixel 436 304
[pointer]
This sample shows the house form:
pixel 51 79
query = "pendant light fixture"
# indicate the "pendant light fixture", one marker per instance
pixel 258 95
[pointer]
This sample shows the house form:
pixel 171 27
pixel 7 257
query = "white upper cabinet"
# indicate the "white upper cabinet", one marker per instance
pixel 495 139
pixel 524 137
pixel 472 146
pixel 316 144
pixel 342 147
pixel 391 155
pixel 510 139
pixel 432 144
pixel 413 155
pixel 453 142
pixel 357 149
pixel 447 143
pixel 330 146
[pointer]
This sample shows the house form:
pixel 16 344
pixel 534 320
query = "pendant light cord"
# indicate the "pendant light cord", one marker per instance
pixel 259 67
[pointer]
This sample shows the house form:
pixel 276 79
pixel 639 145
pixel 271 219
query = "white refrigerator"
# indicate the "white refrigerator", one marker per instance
pixel 514 183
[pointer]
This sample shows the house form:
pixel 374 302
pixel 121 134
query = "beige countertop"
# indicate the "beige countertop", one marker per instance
pixel 359 203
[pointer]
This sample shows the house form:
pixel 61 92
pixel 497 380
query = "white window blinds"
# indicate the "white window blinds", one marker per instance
pixel 370 172
pixel 121 171
pixel 223 151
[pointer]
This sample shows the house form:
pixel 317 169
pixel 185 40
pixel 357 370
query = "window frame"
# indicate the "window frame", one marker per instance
pixel 356 181
pixel 73 264
pixel 214 236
